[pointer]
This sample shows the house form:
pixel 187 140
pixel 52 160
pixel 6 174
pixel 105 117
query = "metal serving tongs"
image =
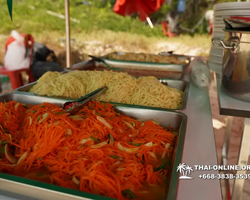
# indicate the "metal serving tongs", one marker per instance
pixel 73 107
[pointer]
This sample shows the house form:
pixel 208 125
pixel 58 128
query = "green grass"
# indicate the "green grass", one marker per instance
pixel 91 18
pixel 99 24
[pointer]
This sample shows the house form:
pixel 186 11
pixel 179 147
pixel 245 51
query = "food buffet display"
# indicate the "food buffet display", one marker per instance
pixel 161 66
pixel 150 58
pixel 124 148
pixel 126 144
pixel 122 88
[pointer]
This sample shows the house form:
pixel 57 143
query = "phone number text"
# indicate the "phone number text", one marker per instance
pixel 224 176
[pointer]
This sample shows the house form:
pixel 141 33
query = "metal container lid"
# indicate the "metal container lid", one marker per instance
pixel 215 67
pixel 219 23
pixel 215 59
pixel 232 13
pixel 216 50
pixel 216 63
pixel 230 26
pixel 219 20
pixel 220 27
pixel 216 55
pixel 232 6
pixel 237 31
pixel 219 35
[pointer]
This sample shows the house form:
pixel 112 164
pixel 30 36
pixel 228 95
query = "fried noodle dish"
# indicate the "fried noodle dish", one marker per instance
pixel 122 88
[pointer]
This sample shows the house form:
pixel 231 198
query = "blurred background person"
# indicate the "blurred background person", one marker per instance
pixel 44 59
pixel 209 16
pixel 23 52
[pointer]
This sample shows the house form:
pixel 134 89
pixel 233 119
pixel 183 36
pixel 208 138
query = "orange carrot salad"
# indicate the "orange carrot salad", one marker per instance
pixel 97 150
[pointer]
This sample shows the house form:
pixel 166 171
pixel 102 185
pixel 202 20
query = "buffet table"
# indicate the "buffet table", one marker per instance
pixel 199 149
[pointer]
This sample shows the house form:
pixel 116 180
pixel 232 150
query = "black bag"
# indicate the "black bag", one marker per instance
pixel 40 65
pixel 41 52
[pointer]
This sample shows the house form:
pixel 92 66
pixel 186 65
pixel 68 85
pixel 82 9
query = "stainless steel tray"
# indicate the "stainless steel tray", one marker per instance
pixel 41 190
pixel 159 70
pixel 25 90
pixel 178 84
pixel 182 58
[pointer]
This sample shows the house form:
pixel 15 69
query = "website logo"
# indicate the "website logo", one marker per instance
pixel 185 171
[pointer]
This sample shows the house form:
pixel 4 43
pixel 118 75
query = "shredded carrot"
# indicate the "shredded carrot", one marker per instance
pixel 97 150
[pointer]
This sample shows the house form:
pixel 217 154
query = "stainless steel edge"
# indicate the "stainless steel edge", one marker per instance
pixel 33 192
pixel 181 85
pixel 163 71
pixel 199 146
pixel 145 66
pixel 179 56
pixel 177 157
pixel 25 88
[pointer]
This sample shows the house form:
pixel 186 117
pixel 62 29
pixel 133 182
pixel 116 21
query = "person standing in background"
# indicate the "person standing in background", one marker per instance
pixel 172 16
pixel 209 16
pixel 16 56
pixel 20 54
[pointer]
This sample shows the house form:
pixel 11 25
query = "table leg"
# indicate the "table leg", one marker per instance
pixel 224 155
pixel 225 147
pixel 242 160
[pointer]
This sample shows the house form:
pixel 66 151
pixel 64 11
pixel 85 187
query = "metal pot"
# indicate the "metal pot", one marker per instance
pixel 236 63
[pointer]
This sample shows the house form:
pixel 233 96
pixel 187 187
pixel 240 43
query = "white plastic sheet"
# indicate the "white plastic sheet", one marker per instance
pixel 15 56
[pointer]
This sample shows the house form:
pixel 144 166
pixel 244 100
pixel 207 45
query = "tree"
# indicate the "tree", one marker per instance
pixel 188 170
pixel 181 168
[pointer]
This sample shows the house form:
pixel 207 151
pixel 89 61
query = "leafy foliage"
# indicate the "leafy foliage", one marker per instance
pixel 96 16
pixel 9 4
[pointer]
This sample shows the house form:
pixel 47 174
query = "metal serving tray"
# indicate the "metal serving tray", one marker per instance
pixel 179 57
pixel 39 190
pixel 140 68
pixel 159 70
pixel 178 84
pixel 25 90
